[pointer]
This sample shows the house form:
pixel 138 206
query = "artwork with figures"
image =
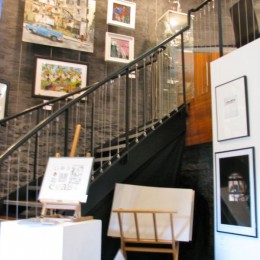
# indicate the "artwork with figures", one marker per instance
pixel 64 24
pixel 121 13
pixel 119 48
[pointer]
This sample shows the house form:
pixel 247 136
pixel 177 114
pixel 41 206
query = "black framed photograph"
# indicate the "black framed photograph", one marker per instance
pixel 232 109
pixel 55 78
pixel 235 192
pixel 4 89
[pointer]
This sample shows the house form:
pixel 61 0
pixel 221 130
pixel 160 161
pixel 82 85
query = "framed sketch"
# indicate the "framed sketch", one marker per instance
pixel 66 179
pixel 235 192
pixel 54 78
pixel 232 109
pixel 119 48
pixel 63 24
pixel 4 89
pixel 121 13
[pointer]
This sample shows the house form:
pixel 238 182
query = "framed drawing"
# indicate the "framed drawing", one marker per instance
pixel 232 109
pixel 121 13
pixel 63 24
pixel 119 48
pixel 235 192
pixel 4 89
pixel 54 78
pixel 66 179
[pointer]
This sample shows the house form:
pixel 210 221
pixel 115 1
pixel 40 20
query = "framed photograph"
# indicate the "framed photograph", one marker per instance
pixel 55 78
pixel 232 109
pixel 119 48
pixel 235 192
pixel 4 89
pixel 62 24
pixel 121 13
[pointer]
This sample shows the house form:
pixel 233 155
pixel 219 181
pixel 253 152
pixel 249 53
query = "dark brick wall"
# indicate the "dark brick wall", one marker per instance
pixel 197 174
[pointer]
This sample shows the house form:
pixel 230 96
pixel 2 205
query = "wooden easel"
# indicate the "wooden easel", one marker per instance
pixel 126 242
pixel 65 205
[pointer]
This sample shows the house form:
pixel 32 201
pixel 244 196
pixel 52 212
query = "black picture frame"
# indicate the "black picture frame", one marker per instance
pixel 235 192
pixel 232 112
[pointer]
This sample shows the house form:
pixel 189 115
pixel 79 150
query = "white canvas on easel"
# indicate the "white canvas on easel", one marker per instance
pixel 143 197
pixel 66 181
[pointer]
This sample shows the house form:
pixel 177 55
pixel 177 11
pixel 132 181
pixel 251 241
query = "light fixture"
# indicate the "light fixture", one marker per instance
pixel 172 21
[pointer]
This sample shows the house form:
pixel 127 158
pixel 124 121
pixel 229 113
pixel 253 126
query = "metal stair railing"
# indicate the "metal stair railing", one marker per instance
pixel 113 113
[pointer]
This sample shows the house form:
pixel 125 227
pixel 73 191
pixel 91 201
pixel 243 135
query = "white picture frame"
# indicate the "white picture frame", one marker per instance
pixel 66 179
pixel 50 77
pixel 121 13
pixel 119 48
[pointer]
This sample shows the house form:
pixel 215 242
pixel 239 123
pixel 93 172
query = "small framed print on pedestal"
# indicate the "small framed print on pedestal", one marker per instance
pixel 65 183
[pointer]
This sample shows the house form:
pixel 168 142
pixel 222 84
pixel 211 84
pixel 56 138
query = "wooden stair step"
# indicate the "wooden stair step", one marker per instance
pixel 110 148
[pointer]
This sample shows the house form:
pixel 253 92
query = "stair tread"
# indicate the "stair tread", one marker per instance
pixel 23 203
pixel 115 147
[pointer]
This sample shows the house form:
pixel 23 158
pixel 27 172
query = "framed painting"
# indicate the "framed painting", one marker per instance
pixel 55 78
pixel 121 13
pixel 64 24
pixel 119 48
pixel 232 109
pixel 4 89
pixel 235 192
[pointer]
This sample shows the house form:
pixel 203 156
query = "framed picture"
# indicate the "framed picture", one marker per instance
pixel 121 13
pixel 235 192
pixel 4 89
pixel 232 109
pixel 119 48
pixel 62 24
pixel 66 179
pixel 55 78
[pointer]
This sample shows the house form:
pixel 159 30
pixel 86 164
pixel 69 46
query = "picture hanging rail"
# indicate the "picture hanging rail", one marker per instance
pixel 55 78
pixel 121 13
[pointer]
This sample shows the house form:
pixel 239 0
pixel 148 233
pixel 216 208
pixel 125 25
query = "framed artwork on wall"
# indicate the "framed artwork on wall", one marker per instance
pixel 64 24
pixel 119 48
pixel 232 109
pixel 4 89
pixel 55 78
pixel 235 192
pixel 121 13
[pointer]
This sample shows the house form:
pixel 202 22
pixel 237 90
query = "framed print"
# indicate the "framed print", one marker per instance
pixel 66 179
pixel 119 48
pixel 235 192
pixel 121 13
pixel 63 24
pixel 232 109
pixel 55 78
pixel 4 89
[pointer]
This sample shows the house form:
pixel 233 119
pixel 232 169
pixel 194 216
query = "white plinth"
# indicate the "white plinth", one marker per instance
pixel 64 241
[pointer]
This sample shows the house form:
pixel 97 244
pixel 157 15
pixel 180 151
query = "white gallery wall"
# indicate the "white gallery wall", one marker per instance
pixel 244 61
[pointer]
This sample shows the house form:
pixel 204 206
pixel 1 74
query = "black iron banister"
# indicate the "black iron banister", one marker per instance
pixel 90 89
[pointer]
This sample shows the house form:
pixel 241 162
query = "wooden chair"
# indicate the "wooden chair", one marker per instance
pixel 131 244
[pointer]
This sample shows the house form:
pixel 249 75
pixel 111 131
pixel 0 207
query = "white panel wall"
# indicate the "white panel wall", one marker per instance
pixel 243 61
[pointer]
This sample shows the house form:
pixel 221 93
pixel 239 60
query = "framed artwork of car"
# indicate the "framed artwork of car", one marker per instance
pixel 67 24
pixel 55 78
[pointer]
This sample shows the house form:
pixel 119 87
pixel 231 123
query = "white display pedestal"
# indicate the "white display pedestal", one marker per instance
pixel 64 241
